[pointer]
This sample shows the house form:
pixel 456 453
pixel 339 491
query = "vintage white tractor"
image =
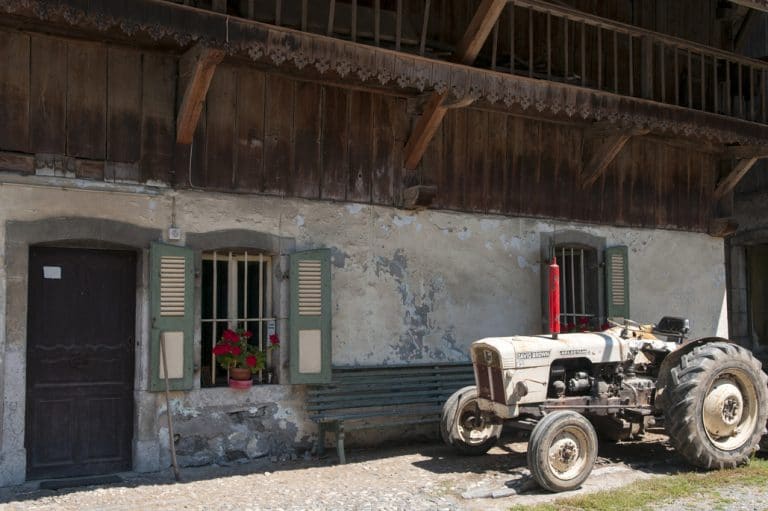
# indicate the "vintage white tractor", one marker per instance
pixel 711 395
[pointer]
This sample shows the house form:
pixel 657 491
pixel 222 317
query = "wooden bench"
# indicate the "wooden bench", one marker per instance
pixel 375 397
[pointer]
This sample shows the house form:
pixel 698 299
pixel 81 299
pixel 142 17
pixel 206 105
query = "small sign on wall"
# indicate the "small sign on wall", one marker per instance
pixel 52 272
pixel 271 330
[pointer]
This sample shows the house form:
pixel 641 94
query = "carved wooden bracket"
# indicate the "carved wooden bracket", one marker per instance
pixel 604 150
pixel 196 68
pixel 466 53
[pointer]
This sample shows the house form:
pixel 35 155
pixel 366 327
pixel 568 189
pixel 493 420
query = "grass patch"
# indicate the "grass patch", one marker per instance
pixel 650 493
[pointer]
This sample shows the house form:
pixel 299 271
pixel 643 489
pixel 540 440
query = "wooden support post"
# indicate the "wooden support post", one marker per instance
pixel 604 151
pixel 466 53
pixel 730 181
pixel 196 68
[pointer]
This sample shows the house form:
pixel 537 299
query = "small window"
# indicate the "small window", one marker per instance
pixel 578 288
pixel 236 293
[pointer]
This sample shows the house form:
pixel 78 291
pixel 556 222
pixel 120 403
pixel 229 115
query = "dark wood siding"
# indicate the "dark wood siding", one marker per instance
pixel 113 111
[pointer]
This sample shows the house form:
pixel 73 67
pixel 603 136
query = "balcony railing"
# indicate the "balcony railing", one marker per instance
pixel 540 40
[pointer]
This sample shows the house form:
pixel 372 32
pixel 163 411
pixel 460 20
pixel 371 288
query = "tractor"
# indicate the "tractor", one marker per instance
pixel 710 394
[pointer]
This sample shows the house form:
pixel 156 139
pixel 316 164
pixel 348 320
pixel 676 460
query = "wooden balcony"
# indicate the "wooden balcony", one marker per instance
pixel 540 40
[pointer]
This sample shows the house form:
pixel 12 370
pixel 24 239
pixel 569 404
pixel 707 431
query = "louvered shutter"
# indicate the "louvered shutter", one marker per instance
pixel 617 282
pixel 171 285
pixel 310 321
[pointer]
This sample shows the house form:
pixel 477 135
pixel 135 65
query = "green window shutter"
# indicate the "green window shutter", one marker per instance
pixel 310 321
pixel 171 284
pixel 617 282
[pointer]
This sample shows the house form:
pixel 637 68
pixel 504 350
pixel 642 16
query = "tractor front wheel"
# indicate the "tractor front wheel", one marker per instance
pixel 562 451
pixel 465 427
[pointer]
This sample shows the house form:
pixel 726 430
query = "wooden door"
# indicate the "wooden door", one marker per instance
pixel 80 361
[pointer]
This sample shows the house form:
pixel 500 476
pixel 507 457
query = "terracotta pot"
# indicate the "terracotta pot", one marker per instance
pixel 240 374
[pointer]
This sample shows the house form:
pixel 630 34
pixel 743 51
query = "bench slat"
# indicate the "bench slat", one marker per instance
pixel 386 388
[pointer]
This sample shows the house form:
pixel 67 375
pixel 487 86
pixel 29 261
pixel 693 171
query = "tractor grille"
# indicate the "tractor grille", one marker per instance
pixel 488 375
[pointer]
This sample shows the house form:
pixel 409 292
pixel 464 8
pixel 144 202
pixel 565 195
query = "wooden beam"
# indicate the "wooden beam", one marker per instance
pixel 743 152
pixel 196 68
pixel 604 152
pixel 466 53
pixel 730 181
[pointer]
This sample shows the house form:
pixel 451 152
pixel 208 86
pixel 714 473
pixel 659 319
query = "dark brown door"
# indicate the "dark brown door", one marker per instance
pixel 80 361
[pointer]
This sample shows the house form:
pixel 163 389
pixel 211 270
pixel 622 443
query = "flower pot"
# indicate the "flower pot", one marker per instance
pixel 240 378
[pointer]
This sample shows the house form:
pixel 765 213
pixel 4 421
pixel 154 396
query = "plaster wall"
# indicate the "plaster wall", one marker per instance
pixel 407 287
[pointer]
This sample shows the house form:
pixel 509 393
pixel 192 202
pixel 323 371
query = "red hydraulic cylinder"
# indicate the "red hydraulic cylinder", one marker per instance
pixel 554 298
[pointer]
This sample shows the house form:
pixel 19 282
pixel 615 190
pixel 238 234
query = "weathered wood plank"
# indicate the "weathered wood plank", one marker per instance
pixel 477 174
pixel 17 162
pixel 124 106
pixel 335 154
pixel 196 70
pixel 14 91
pixel 48 111
pixel 390 128
pixel 308 124
pixel 497 162
pixel 221 113
pixel 360 145
pixel 249 174
pixel 530 168
pixel 515 158
pixel 278 144
pixel 455 159
pixel 158 125
pixel 433 167
pixel 87 100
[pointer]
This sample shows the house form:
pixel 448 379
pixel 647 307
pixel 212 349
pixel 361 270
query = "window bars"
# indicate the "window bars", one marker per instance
pixel 231 304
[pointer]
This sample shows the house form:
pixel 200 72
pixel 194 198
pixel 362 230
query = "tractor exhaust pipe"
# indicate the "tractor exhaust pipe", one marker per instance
pixel 554 298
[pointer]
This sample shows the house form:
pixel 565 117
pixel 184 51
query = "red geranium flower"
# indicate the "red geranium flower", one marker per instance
pixel 273 339
pixel 250 361
pixel 247 334
pixel 230 336
pixel 220 349
pixel 235 350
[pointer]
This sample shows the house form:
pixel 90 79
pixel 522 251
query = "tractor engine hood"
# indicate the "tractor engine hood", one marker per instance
pixel 521 351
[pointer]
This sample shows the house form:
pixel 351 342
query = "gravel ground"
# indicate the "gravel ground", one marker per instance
pixel 415 477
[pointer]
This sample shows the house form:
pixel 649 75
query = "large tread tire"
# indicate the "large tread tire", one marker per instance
pixel 455 424
pixel 551 451
pixel 708 371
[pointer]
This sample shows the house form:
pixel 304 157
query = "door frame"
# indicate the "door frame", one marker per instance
pixel 81 233
pixel 739 324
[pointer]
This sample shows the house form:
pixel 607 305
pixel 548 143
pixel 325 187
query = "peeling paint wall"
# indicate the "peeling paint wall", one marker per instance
pixel 407 287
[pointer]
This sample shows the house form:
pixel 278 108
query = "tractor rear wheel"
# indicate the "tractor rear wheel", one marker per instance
pixel 716 405
pixel 465 427
pixel 562 450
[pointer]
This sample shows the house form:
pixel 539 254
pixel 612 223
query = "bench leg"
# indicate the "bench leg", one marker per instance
pixel 320 445
pixel 340 444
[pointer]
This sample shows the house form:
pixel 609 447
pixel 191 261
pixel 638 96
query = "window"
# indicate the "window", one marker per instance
pixel 579 307
pixel 236 293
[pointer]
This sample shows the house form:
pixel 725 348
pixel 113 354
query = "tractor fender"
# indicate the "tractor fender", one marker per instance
pixel 671 360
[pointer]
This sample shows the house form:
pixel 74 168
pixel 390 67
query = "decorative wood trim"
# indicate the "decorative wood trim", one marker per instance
pixel 279 47
pixel 730 181
pixel 604 152
pixel 196 68
pixel 466 52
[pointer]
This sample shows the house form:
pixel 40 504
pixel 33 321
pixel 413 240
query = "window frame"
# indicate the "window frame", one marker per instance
pixel 578 240
pixel 266 317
